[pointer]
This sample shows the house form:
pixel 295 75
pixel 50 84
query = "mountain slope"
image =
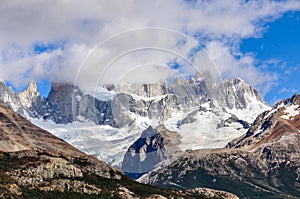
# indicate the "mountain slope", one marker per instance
pixel 17 134
pixel 263 163
pixel 36 164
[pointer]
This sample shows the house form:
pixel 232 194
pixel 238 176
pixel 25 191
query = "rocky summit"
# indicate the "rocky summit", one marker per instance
pixel 153 147
pixel 36 164
pixel 19 101
pixel 65 102
pixel 262 163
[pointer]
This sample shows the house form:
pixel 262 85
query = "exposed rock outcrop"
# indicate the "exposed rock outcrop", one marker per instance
pixel 154 146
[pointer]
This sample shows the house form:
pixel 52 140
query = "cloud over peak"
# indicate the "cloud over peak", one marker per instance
pixel 78 27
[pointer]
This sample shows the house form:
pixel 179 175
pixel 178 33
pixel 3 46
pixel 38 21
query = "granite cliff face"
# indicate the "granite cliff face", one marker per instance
pixel 263 163
pixel 235 94
pixel 153 147
pixel 34 163
pixel 144 90
pixel 65 103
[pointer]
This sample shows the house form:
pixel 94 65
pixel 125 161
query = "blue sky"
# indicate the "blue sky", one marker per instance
pixel 256 40
pixel 280 43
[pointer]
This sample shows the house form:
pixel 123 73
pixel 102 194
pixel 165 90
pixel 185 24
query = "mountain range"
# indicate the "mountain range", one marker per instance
pixel 187 133
pixel 36 164
pixel 105 121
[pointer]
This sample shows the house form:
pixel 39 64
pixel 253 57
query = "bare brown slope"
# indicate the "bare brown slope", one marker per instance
pixel 17 134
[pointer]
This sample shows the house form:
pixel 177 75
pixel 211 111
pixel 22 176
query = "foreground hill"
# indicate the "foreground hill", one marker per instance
pixel 263 163
pixel 36 164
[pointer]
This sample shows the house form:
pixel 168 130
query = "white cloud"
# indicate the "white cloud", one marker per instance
pixel 287 90
pixel 243 67
pixel 129 51
pixel 81 25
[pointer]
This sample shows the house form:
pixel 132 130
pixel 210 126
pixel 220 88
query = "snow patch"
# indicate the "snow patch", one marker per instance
pixel 78 98
pixel 102 141
pixel 100 93
pixel 253 109
pixel 291 111
pixel 274 110
pixel 156 98
pixel 204 132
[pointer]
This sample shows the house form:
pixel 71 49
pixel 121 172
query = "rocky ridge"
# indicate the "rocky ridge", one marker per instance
pixel 263 163
pixel 65 102
pixel 281 121
pixel 19 101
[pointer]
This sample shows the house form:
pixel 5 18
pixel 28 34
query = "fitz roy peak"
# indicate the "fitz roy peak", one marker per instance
pixel 107 122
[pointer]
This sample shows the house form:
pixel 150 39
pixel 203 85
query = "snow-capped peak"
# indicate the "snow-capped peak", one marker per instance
pixel 19 100
pixel 238 79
